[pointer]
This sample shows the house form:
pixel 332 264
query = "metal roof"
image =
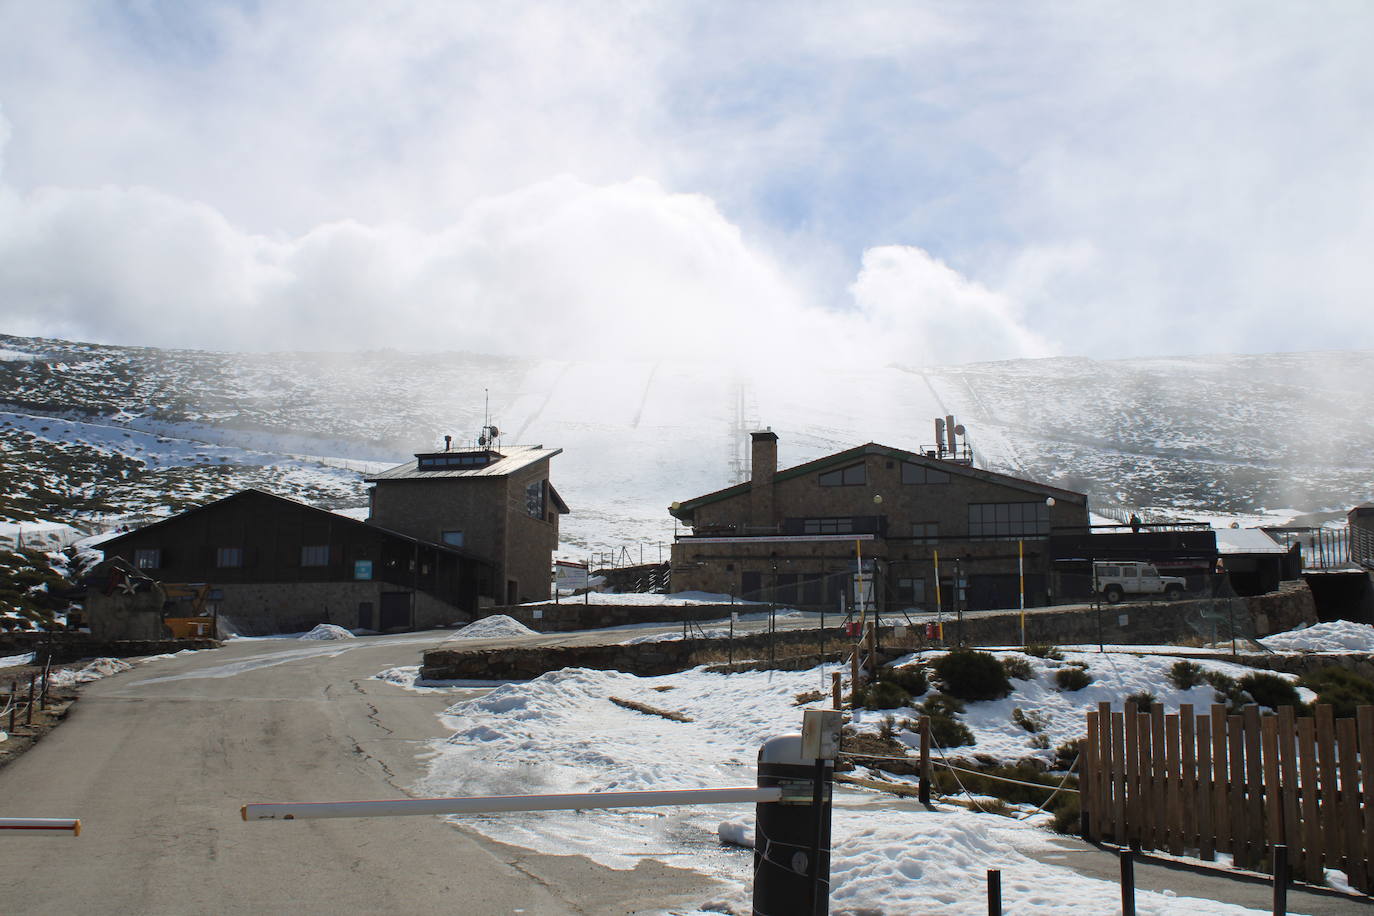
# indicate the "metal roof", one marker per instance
pixel 513 458
pixel 1246 540
pixel 685 509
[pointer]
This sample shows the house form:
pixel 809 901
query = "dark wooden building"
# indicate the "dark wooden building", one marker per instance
pixel 276 565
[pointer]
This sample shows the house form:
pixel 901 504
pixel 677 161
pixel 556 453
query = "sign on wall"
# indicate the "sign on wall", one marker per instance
pixel 362 569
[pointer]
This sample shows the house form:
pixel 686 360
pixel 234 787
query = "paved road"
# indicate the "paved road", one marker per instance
pixel 157 761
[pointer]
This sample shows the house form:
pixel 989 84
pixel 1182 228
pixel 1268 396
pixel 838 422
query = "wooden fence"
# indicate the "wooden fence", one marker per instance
pixel 1238 784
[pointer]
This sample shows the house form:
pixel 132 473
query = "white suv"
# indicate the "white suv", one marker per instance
pixel 1115 581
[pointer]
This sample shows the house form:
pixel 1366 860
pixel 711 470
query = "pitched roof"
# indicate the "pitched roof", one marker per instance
pixel 255 493
pixel 513 458
pixel 684 509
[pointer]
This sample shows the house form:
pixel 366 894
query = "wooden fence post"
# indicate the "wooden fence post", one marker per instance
pixel 836 693
pixel 994 892
pixel 1364 724
pixel 1329 818
pixel 1127 883
pixel 1206 832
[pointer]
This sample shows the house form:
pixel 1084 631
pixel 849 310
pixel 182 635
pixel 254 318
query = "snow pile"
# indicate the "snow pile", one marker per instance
pixel 1336 636
pixel 327 631
pixel 94 671
pixel 491 627
pixel 408 677
pixel 14 661
pixel 561 733
pixel 676 636
pixel 650 599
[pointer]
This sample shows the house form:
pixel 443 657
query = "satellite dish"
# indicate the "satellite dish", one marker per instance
pixel 959 430
pixel 494 431
pixel 482 441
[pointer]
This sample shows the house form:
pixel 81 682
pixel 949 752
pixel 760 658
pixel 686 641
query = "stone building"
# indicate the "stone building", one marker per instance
pixel 800 536
pixel 495 505
pixel 274 565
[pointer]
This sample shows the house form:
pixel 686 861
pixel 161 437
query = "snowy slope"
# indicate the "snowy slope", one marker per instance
pixel 99 430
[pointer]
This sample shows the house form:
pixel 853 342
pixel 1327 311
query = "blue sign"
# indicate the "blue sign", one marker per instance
pixel 362 569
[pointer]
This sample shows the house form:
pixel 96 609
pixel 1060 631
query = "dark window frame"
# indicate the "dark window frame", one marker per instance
pixel 845 476
pixel 230 557
pixel 918 474
pixel 311 555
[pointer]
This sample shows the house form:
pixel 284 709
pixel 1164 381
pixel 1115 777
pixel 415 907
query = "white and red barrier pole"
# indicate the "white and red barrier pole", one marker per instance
pixel 70 825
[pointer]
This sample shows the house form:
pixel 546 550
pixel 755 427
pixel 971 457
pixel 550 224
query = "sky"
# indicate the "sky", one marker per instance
pixel 910 183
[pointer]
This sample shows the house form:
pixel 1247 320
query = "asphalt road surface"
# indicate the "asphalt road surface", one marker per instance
pixel 156 762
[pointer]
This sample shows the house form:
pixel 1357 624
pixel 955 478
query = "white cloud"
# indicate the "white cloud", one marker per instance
pixel 187 172
pixel 932 315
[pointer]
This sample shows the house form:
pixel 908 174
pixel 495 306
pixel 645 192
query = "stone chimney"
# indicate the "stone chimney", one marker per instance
pixel 764 466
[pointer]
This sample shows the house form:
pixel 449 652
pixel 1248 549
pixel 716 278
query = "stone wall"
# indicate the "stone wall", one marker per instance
pixel 70 647
pixel 644 659
pixel 575 614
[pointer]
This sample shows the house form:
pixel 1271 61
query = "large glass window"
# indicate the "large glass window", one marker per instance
pixel 315 555
pixel 911 591
pixel 828 526
pixel 852 476
pixel 453 538
pixel 1008 520
pixel 918 473
pixel 226 557
pixel 148 558
pixel 534 498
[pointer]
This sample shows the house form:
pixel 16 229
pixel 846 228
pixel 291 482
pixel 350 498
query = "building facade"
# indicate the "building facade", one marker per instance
pixel 897 528
pixel 275 565
pixel 498 506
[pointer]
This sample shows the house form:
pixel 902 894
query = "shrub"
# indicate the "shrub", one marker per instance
pixel 888 729
pixel 1032 722
pixel 1050 652
pixel 882 695
pixel 973 675
pixel 1270 690
pixel 1072 678
pixel 1068 817
pixel 1040 742
pixel 1228 691
pixel 1018 668
pixel 1066 753
pixel 1185 675
pixel 911 678
pixel 1142 701
pixel 1343 690
pixel 945 730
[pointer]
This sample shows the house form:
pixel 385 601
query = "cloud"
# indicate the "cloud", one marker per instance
pixel 694 175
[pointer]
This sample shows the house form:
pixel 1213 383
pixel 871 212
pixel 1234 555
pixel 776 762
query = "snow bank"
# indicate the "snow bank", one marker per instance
pixel 1336 636
pixel 14 661
pixel 495 626
pixel 94 671
pixel 561 733
pixel 327 631
pixel 647 599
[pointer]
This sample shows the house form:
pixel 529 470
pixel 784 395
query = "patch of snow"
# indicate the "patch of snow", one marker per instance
pixel 408 677
pixel 14 661
pixel 649 599
pixel 94 671
pixel 491 627
pixel 327 631
pixel 1336 636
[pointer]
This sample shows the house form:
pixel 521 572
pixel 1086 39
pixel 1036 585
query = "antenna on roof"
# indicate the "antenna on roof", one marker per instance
pixel 489 432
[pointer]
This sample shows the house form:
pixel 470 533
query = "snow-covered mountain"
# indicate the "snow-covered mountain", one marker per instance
pixel 91 430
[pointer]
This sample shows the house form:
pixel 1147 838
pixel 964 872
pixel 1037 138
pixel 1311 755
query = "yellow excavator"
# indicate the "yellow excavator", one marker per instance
pixel 197 624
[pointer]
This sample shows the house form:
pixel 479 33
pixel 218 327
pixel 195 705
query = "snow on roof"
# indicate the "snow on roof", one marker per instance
pixel 1246 540
pixel 513 458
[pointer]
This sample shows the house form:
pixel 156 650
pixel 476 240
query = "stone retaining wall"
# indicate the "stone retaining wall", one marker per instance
pixel 574 614
pixel 645 659
pixel 70 647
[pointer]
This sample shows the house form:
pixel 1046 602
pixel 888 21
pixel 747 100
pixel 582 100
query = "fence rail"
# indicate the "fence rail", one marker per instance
pixel 1241 784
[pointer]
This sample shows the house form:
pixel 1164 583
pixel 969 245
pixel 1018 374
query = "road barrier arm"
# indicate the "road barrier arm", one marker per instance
pixel 71 824
pixel 490 804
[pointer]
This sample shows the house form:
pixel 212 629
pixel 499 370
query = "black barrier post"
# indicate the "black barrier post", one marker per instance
pixel 994 892
pixel 1127 883
pixel 792 836
pixel 1280 880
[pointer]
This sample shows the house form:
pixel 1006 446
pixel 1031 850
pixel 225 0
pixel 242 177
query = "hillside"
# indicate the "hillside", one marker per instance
pixel 92 432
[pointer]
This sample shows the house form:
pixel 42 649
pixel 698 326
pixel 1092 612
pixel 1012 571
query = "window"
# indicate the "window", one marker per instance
pixel 852 476
pixel 456 460
pixel 925 532
pixel 1008 520
pixel 911 591
pixel 918 473
pixel 148 558
pixel 534 498
pixel 315 555
pixel 828 526
pixel 226 557
pixel 453 538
